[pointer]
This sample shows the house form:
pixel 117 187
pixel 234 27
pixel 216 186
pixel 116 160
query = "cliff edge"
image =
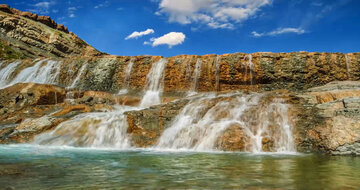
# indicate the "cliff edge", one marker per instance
pixel 27 35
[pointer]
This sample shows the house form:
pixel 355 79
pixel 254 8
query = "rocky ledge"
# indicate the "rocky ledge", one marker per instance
pixel 27 109
pixel 325 119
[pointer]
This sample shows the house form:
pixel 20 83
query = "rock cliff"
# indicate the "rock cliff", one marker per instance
pixel 39 36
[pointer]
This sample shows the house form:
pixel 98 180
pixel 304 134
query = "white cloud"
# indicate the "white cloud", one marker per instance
pixel 71 11
pixel 213 13
pixel 279 31
pixel 104 4
pixel 42 7
pixel 137 34
pixel 72 8
pixel 171 39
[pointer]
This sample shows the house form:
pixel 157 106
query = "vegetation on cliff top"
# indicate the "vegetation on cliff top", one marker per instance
pixel 8 53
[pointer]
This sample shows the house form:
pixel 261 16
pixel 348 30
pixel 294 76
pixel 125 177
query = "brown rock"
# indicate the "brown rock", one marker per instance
pixel 47 21
pixel 78 108
pixel 29 15
pixel 5 8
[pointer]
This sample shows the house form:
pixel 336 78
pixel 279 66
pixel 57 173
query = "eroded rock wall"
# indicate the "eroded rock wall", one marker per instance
pixel 267 71
pixel 39 36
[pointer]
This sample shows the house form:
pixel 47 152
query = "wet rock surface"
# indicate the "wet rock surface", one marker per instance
pixel 28 109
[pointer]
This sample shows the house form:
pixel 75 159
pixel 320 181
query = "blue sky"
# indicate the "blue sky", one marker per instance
pixel 173 27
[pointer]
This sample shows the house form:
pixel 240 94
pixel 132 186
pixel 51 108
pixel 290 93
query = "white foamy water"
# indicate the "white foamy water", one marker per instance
pixel 200 124
pixel 127 77
pixel 6 72
pixel 154 84
pixel 195 78
pixel 43 72
pixel 98 130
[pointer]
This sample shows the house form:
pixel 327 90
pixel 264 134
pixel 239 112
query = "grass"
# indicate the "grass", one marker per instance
pixel 7 53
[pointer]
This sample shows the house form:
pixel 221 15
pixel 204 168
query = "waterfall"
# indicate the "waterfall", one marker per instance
pixel 154 84
pixel 6 72
pixel 99 130
pixel 347 61
pixel 202 121
pixel 195 78
pixel 217 79
pixel 127 77
pixel 43 72
pixel 251 67
pixel 78 76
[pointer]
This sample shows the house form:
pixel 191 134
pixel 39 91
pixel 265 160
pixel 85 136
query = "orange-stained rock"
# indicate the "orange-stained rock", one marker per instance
pixel 67 109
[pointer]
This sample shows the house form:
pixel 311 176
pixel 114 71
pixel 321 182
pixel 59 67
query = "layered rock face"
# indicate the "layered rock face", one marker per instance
pixel 258 71
pixel 260 102
pixel 39 36
pixel 333 124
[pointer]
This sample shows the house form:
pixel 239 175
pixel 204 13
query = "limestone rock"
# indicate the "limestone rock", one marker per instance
pixel 39 36
pixel 337 126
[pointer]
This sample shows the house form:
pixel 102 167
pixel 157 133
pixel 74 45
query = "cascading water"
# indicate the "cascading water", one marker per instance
pixel 127 76
pixel 43 72
pixel 195 78
pixel 347 61
pixel 250 65
pixel 98 130
pixel 6 72
pixel 78 76
pixel 205 119
pixel 154 84
pixel 198 127
pixel 217 79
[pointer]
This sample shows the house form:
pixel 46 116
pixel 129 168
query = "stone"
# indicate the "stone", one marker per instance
pixel 334 125
pixel 352 102
pixel 26 130
pixel 5 8
pixel 47 39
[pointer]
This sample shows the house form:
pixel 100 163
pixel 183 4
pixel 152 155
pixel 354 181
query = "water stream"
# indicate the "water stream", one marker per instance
pixel 97 130
pixel 217 78
pixel 6 72
pixel 127 76
pixel 347 61
pixel 204 120
pixel 154 84
pixel 249 65
pixel 78 77
pixel 42 72
pixel 195 78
